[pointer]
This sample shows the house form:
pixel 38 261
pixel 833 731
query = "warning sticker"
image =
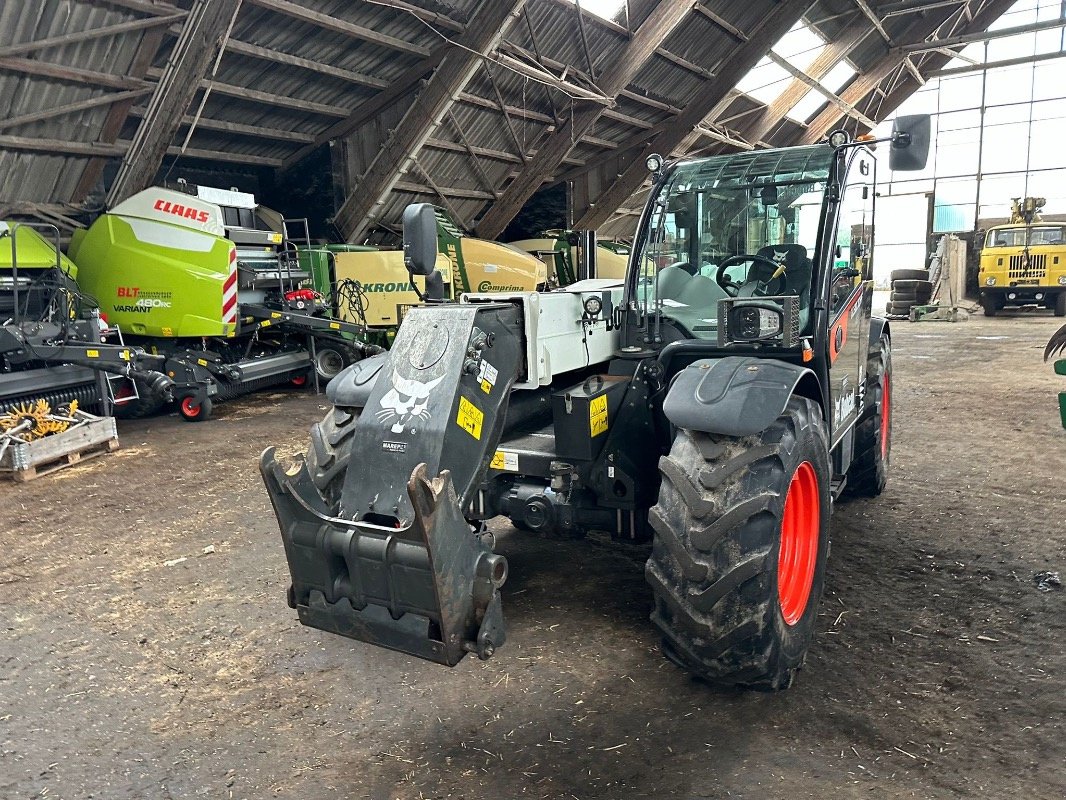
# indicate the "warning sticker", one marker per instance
pixel 92 353
pixel 486 387
pixel 470 418
pixel 598 415
pixel 503 460
pixel 487 374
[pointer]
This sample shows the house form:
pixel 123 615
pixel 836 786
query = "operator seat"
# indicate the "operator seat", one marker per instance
pixel 798 269
pixel 671 280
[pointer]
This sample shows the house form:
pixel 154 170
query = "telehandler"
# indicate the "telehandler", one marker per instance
pixel 719 400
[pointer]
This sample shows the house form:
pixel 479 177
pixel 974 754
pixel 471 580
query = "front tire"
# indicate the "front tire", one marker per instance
pixel 1060 304
pixel 989 305
pixel 741 539
pixel 330 451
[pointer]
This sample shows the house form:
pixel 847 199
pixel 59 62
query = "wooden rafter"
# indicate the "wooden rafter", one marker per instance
pixel 277 57
pixel 870 79
pixel 367 111
pixel 44 69
pixel 90 34
pixel 666 136
pixel 757 128
pixel 630 59
pixel 484 31
pixel 206 30
pixel 326 22
pixel 813 83
pixel 72 108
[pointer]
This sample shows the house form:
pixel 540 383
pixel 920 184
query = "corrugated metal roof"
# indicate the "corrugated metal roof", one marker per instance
pixel 326 73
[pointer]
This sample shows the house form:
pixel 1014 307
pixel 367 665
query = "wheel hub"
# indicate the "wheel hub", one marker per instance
pixel 800 532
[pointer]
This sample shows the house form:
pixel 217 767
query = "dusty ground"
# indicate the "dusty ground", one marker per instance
pixel 939 669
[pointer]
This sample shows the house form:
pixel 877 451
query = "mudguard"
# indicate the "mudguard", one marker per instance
pixel 734 396
pixel 878 326
pixel 352 387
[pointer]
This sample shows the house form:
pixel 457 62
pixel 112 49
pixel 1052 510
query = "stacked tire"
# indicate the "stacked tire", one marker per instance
pixel 910 287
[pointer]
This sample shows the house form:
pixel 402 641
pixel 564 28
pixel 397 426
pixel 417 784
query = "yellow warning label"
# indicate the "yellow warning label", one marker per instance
pixel 486 387
pixel 335 326
pixel 598 415
pixel 202 362
pixel 168 332
pixel 92 353
pixel 124 355
pixel 504 460
pixel 275 315
pixel 470 418
pixel 265 324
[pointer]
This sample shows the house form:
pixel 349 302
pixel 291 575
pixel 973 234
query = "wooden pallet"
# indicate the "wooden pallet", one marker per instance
pixel 24 462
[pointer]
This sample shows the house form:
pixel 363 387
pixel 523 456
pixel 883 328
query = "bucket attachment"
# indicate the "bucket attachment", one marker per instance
pixel 430 589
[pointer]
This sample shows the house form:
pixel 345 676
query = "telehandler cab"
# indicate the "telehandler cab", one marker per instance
pixel 717 401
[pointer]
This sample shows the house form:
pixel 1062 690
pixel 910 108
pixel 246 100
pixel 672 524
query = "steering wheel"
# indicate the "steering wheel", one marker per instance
pixel 722 280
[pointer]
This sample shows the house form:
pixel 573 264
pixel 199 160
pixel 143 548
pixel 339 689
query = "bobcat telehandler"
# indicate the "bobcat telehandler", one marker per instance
pixel 718 400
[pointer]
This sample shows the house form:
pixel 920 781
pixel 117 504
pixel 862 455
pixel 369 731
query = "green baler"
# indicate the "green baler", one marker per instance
pixel 191 277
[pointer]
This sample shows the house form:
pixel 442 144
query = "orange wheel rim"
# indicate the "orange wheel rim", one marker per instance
pixel 886 414
pixel 800 532
pixel 190 407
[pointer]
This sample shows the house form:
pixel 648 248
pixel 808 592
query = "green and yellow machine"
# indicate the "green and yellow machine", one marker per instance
pixel 372 288
pixel 197 279
pixel 50 333
pixel 562 252
pixel 1024 261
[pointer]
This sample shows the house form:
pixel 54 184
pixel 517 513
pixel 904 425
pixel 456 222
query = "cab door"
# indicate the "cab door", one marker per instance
pixel 850 294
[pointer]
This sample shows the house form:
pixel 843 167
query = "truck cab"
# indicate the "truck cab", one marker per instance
pixel 1024 264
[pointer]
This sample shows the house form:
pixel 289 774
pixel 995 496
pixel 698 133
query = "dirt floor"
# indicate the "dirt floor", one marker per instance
pixel 147 651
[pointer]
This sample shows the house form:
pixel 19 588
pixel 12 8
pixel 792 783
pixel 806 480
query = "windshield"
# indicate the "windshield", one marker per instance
pixel 742 225
pixel 1015 237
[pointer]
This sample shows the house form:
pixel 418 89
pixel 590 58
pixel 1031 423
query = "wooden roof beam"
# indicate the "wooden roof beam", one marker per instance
pixel 629 60
pixel 803 77
pixel 666 136
pixel 868 81
pixel 395 159
pixel 325 21
pixel 832 54
pixel 365 112
pixel 206 30
pixel 90 34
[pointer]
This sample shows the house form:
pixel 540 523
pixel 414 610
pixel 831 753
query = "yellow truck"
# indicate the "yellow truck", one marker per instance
pixel 1024 261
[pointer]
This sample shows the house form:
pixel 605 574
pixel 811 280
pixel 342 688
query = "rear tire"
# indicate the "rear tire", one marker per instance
pixel 731 610
pixel 1060 304
pixel 868 473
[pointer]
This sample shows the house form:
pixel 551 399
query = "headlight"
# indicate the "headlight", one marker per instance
pixel 1062 280
pixel 990 281
pixel 752 323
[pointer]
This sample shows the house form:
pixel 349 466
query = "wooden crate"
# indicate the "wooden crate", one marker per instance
pixel 26 461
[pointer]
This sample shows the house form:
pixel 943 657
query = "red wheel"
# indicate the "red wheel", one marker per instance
pixel 190 408
pixel 194 410
pixel 800 532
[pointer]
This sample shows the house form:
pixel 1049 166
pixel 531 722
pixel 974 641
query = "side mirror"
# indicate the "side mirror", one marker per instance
pixel 420 239
pixel 910 143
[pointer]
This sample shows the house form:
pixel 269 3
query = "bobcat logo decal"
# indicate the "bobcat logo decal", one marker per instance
pixel 780 257
pixel 405 402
